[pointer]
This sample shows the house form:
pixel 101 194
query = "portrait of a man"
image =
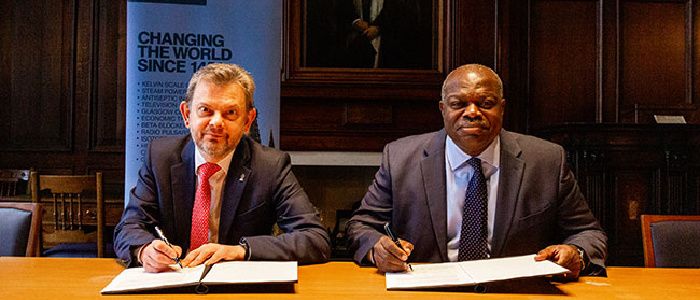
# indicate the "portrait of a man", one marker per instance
pixel 368 34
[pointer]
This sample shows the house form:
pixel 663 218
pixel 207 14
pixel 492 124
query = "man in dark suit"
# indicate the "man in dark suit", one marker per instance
pixel 217 192
pixel 475 191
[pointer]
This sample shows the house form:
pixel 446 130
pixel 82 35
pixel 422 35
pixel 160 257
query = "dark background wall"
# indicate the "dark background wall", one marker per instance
pixel 587 74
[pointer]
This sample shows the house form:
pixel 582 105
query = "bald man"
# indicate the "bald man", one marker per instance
pixel 476 191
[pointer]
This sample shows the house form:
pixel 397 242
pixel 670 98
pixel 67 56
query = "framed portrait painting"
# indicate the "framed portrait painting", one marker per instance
pixel 364 40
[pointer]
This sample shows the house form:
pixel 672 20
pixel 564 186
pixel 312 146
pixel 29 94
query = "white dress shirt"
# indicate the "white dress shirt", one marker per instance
pixel 458 173
pixel 216 182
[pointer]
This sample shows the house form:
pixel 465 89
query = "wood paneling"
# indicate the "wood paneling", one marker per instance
pixel 564 60
pixel 601 63
pixel 654 58
pixel 628 170
pixel 108 118
pixel 609 67
pixel 363 109
pixel 474 28
pixel 6 17
pixel 62 86
pixel 632 190
pixel 361 125
pixel 37 68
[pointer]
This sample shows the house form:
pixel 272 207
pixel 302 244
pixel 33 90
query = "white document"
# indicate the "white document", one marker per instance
pixel 230 272
pixel 252 272
pixel 471 272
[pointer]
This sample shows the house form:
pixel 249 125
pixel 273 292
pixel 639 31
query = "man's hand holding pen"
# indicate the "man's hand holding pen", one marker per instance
pixel 388 257
pixel 158 256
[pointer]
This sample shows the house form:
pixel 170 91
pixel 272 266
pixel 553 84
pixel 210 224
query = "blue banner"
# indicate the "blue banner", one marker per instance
pixel 167 41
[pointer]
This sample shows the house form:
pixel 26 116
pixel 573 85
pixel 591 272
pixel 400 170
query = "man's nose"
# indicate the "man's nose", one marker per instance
pixel 471 111
pixel 216 120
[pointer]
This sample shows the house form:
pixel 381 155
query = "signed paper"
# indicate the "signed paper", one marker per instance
pixel 471 272
pixel 231 272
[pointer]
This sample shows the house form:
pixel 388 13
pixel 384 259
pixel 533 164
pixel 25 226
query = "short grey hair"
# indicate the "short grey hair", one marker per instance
pixel 473 68
pixel 220 74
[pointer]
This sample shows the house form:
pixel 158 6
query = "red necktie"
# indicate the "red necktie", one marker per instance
pixel 202 202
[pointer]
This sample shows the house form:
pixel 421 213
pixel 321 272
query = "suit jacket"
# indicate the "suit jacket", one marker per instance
pixel 260 190
pixel 538 203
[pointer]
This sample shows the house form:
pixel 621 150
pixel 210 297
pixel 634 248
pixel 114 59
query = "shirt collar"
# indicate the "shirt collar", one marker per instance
pixel 199 160
pixel 456 157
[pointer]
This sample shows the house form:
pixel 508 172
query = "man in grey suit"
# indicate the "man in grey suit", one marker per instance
pixel 475 191
pixel 215 191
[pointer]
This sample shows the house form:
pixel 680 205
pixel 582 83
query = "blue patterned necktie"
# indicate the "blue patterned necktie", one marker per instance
pixel 472 239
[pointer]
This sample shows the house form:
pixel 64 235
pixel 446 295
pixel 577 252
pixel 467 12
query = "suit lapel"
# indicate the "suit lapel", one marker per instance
pixel 183 185
pixel 238 173
pixel 511 175
pixel 433 170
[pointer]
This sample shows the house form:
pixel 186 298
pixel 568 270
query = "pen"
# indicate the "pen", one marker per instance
pixel 395 239
pixel 164 239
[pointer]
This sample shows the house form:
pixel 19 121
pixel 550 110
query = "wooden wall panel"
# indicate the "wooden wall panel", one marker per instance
pixel 475 33
pixel 363 109
pixel 632 190
pixel 6 21
pixel 589 166
pixel 331 188
pixel 609 67
pixel 39 68
pixel 108 118
pixel 628 170
pixel 655 54
pixel 564 61
pixel 63 85
pixel 62 93
pixel 344 125
pixel 599 61
pixel 693 115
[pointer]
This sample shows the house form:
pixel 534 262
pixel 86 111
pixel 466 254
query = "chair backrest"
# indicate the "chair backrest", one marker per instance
pixel 20 224
pixel 671 241
pixel 13 182
pixel 71 212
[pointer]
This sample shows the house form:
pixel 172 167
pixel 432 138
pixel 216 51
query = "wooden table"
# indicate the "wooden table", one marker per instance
pixel 72 278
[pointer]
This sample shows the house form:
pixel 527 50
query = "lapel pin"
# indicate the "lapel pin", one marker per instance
pixel 241 178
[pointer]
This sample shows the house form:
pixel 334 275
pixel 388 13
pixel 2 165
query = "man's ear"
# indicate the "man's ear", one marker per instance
pixel 503 104
pixel 185 112
pixel 251 117
pixel 441 105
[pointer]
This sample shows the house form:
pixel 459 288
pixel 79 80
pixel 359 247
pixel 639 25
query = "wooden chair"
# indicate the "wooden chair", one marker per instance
pixel 13 182
pixel 671 241
pixel 20 224
pixel 72 214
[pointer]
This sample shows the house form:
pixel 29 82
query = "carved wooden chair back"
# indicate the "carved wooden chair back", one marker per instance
pixel 13 182
pixel 73 215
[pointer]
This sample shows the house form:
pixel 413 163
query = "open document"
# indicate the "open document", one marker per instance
pixel 223 273
pixel 471 272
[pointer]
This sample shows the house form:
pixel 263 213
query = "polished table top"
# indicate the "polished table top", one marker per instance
pixel 74 278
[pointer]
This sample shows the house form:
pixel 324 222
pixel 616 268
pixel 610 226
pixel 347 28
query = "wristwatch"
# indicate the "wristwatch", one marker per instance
pixel 244 243
pixel 582 257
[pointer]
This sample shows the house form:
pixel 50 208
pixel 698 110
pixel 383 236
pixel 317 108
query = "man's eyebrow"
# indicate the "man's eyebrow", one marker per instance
pixel 228 106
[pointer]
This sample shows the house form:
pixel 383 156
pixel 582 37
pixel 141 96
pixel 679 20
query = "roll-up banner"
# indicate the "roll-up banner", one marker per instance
pixel 168 40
